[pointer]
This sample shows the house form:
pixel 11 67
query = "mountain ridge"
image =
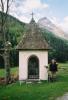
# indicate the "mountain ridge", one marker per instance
pixel 16 30
pixel 45 23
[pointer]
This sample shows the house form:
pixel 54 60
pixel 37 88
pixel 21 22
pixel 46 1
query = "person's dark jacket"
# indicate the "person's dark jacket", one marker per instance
pixel 53 67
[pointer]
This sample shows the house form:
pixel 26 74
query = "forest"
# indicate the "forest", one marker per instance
pixel 14 33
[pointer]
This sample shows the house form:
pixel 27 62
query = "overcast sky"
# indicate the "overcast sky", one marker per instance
pixel 55 10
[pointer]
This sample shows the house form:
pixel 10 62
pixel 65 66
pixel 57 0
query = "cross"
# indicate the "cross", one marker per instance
pixel 32 14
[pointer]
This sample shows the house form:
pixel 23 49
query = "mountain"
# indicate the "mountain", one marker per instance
pixel 14 30
pixel 45 23
pixel 14 33
pixel 59 46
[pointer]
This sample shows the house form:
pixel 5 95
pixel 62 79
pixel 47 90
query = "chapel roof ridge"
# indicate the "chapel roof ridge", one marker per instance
pixel 33 38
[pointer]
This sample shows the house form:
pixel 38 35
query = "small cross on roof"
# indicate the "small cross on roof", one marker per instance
pixel 32 14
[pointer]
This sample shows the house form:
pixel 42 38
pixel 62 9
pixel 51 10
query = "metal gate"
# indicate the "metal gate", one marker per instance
pixel 33 67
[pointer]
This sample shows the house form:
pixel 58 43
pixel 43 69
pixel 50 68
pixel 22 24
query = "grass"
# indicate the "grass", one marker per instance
pixel 37 91
pixel 13 71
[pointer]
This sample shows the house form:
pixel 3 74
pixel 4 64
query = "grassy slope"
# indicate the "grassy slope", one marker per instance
pixel 59 46
pixel 15 32
pixel 15 28
pixel 43 91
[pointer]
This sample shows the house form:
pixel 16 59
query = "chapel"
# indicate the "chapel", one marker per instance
pixel 33 54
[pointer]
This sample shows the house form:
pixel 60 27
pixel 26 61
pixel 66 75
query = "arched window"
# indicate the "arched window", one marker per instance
pixel 33 67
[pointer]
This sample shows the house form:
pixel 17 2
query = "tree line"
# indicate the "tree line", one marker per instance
pixel 59 47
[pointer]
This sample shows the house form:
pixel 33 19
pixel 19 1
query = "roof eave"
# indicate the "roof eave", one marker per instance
pixel 33 49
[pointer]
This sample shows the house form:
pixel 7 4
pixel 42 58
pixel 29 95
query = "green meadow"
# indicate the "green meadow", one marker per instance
pixel 36 91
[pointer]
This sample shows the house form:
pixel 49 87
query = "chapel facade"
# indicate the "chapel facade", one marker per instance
pixel 33 54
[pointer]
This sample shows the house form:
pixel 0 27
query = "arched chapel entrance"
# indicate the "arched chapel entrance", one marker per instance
pixel 33 67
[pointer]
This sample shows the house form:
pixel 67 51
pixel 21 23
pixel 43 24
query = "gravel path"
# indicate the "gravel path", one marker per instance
pixel 64 97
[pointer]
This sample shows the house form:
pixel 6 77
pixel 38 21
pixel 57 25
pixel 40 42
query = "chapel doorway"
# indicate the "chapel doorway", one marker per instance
pixel 33 67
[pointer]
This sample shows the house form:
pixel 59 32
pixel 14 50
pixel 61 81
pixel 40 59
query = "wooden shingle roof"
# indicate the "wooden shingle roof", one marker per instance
pixel 33 38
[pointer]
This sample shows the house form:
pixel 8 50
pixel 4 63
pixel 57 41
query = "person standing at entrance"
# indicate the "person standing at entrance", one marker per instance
pixel 53 69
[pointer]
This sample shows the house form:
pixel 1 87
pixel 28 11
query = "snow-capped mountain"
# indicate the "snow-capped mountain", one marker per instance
pixel 45 23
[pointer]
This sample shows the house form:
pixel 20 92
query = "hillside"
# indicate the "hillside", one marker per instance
pixel 15 32
pixel 15 29
pixel 59 47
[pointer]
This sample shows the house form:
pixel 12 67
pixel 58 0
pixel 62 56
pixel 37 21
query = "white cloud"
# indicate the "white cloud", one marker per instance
pixel 66 19
pixel 22 9
pixel 63 25
pixel 33 4
pixel 54 20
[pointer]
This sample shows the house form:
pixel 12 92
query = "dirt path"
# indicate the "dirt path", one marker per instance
pixel 64 97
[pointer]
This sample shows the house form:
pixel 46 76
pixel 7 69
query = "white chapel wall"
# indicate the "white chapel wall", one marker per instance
pixel 23 64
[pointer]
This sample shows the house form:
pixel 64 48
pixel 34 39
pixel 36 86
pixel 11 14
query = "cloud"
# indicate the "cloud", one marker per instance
pixel 29 5
pixel 35 4
pixel 54 20
pixel 63 25
pixel 22 9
